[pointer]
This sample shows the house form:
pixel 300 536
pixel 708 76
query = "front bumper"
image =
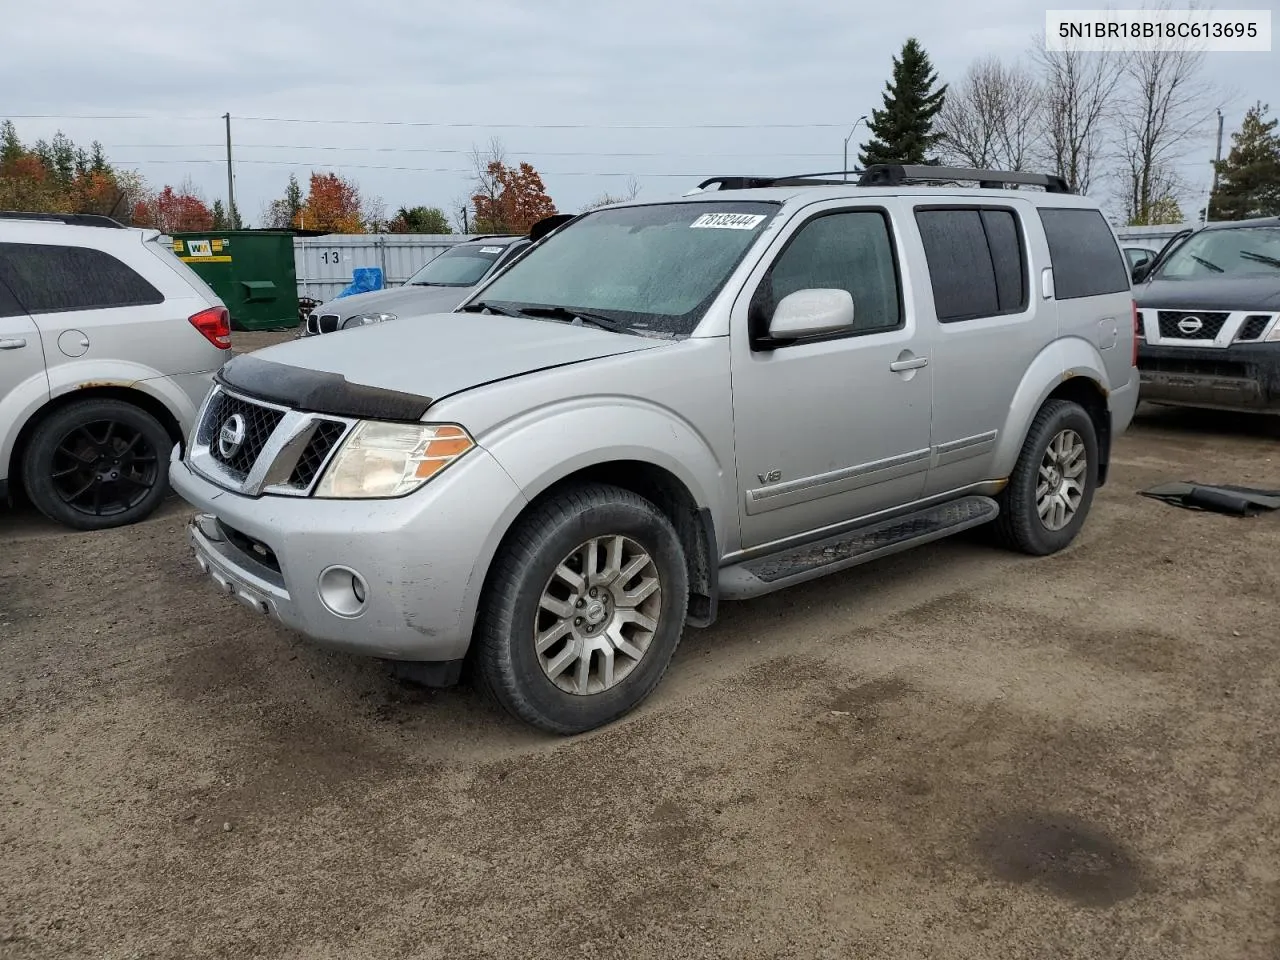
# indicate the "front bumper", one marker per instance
pixel 421 558
pixel 1242 377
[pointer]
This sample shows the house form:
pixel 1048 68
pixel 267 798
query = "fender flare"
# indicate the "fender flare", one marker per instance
pixel 1066 359
pixel 640 431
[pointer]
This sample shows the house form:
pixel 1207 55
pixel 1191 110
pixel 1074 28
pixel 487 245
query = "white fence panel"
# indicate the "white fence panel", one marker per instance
pixel 325 264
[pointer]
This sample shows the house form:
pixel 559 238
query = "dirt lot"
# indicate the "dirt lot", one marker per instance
pixel 952 753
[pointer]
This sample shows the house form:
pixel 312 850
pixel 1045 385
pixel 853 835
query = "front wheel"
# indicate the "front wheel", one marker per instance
pixel 584 609
pixel 1051 488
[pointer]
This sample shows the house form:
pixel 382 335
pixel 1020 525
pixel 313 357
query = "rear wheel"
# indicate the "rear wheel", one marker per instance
pixel 96 464
pixel 1051 488
pixel 586 605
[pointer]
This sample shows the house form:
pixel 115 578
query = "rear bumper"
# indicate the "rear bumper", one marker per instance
pixel 1240 377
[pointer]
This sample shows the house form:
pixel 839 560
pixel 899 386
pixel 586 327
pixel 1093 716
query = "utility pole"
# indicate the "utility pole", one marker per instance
pixel 466 227
pixel 231 185
pixel 845 166
pixel 1217 159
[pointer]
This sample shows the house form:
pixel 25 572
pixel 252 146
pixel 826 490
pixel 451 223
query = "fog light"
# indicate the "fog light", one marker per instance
pixel 343 591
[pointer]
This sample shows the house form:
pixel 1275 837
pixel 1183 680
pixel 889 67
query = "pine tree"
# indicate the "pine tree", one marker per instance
pixel 1249 179
pixel 219 216
pixel 903 131
pixel 11 149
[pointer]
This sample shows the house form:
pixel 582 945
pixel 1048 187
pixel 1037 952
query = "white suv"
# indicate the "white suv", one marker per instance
pixel 108 344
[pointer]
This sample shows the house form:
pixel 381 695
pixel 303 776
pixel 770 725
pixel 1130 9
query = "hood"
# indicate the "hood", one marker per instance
pixel 1214 293
pixel 397 370
pixel 401 301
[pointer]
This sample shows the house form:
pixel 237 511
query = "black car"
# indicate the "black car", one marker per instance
pixel 1209 311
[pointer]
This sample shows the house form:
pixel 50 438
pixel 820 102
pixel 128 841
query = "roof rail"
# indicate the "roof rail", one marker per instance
pixel 71 219
pixel 895 174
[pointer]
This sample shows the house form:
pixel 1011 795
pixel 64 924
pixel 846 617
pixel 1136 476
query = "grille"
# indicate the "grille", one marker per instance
pixel 328 323
pixel 1211 324
pixel 313 323
pixel 259 423
pixel 248 545
pixel 1219 368
pixel 323 440
pixel 1253 327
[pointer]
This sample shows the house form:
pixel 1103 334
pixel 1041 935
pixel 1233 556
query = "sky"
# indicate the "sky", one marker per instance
pixel 591 93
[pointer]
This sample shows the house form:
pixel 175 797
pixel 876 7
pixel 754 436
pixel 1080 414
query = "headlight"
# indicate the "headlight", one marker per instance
pixel 391 459
pixel 364 319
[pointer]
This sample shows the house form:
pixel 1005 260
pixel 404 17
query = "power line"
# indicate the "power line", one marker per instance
pixel 514 153
pixel 444 124
pixel 360 166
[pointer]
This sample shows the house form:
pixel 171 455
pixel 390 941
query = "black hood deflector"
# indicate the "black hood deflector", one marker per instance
pixel 316 391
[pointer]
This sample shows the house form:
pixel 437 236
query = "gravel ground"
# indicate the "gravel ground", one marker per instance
pixel 954 753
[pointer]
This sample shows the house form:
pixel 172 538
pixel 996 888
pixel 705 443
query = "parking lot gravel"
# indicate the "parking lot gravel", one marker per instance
pixel 956 752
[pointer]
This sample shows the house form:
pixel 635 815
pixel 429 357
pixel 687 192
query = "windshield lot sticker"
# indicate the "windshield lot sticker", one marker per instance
pixel 728 221
pixel 490 249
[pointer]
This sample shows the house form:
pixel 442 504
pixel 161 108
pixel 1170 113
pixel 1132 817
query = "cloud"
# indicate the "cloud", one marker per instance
pixel 553 62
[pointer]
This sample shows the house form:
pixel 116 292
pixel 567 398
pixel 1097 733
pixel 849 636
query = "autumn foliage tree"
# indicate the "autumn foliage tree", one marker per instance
pixel 174 211
pixel 333 204
pixel 56 176
pixel 517 201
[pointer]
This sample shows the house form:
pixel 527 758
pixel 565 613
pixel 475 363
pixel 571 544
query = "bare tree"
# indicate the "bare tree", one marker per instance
pixel 1077 91
pixel 484 182
pixel 1160 116
pixel 989 118
pixel 631 191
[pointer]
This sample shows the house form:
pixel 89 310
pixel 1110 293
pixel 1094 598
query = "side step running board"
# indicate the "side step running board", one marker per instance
pixel 753 578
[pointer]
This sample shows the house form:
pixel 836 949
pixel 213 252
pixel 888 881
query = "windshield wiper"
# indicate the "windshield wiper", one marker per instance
pixel 1205 263
pixel 492 308
pixel 574 314
pixel 1259 257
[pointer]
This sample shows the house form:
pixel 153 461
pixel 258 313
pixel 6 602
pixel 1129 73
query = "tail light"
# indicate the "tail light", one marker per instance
pixel 1137 331
pixel 215 324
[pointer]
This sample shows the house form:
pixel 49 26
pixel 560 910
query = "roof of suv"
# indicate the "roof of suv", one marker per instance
pixel 891 179
pixel 1234 224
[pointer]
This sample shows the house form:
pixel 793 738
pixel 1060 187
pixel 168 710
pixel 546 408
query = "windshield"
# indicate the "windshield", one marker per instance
pixel 460 266
pixel 653 269
pixel 1235 252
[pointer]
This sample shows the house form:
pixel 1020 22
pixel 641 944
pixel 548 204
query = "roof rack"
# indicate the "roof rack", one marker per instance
pixel 71 219
pixel 892 175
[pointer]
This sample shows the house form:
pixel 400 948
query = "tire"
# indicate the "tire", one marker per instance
pixel 552 539
pixel 113 453
pixel 1020 525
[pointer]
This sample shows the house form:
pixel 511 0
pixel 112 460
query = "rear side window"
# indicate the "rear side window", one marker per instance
pixel 9 306
pixel 977 261
pixel 47 278
pixel 1086 258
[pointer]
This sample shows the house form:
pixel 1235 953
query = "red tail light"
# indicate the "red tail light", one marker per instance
pixel 1137 331
pixel 215 324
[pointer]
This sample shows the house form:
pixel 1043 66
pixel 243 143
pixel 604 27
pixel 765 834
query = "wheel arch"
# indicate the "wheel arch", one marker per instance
pixel 694 523
pixel 1069 369
pixel 138 398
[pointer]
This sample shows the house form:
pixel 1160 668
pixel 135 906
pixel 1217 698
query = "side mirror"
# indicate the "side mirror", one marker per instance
pixel 808 313
pixel 1140 270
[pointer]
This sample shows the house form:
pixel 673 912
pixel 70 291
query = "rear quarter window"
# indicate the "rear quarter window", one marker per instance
pixel 1087 261
pixel 49 278
pixel 976 261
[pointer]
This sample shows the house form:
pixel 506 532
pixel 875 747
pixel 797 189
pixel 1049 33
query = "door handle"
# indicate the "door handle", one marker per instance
pixel 915 363
pixel 15 344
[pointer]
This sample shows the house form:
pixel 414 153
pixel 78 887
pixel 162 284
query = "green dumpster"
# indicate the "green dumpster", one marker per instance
pixel 251 270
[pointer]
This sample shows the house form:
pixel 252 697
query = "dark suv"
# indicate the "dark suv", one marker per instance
pixel 1209 315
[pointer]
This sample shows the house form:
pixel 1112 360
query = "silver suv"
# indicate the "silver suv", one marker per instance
pixel 108 344
pixel 666 404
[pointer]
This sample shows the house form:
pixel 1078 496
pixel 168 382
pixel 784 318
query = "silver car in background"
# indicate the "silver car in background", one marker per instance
pixel 438 287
